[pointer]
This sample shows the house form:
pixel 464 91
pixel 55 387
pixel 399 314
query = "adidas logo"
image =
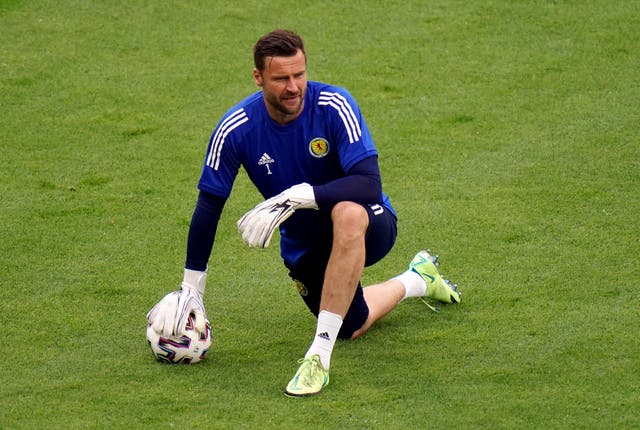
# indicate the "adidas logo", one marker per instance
pixel 265 160
pixel 324 335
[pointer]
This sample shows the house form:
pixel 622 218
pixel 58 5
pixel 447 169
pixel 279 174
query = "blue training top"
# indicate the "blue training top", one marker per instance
pixel 328 138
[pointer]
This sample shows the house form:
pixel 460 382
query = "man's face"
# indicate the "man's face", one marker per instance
pixel 284 83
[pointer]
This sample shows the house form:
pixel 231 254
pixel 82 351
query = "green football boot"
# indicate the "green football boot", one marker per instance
pixel 438 288
pixel 310 378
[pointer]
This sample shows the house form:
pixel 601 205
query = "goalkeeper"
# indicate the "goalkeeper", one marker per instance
pixel 307 149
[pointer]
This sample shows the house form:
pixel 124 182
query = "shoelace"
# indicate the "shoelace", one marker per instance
pixel 430 306
pixel 454 287
pixel 310 370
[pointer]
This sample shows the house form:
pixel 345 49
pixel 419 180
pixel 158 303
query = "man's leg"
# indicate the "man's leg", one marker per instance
pixel 342 277
pixel 346 263
pixel 381 299
pixel 421 279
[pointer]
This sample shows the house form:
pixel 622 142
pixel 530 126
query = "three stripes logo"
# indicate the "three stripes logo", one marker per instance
pixel 324 335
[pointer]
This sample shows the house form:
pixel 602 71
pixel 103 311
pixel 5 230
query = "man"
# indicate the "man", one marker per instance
pixel 307 148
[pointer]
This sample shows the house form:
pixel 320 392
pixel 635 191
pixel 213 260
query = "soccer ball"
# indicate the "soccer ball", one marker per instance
pixel 188 349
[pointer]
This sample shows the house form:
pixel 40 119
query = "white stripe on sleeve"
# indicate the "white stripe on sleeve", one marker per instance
pixel 342 106
pixel 234 120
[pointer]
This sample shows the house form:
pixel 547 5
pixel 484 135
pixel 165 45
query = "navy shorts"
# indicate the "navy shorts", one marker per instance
pixel 308 272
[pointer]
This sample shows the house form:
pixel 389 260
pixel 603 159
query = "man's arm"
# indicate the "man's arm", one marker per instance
pixel 170 315
pixel 202 230
pixel 361 185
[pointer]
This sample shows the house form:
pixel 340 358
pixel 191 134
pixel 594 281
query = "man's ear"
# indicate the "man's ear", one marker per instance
pixel 257 77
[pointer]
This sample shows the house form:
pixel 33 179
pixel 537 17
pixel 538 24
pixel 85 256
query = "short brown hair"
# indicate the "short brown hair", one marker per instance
pixel 278 43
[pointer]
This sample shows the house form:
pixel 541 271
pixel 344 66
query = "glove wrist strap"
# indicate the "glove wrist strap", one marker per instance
pixel 195 279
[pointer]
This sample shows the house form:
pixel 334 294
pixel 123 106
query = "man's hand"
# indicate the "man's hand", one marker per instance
pixel 170 315
pixel 257 225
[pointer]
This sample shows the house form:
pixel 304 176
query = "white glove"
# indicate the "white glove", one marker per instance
pixel 170 315
pixel 257 225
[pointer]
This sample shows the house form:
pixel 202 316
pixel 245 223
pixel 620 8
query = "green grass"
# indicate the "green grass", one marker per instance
pixel 509 143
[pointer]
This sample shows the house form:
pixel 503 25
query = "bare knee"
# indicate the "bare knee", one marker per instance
pixel 350 221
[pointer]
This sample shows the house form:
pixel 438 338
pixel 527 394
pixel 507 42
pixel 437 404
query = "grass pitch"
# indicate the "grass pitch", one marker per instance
pixel 509 143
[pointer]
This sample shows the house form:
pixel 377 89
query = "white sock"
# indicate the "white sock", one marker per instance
pixel 326 334
pixel 414 285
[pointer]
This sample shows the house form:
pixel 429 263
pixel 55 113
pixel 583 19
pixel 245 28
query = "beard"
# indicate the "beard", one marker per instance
pixel 287 105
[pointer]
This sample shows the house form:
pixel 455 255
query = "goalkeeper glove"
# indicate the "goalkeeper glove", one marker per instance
pixel 170 315
pixel 257 225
